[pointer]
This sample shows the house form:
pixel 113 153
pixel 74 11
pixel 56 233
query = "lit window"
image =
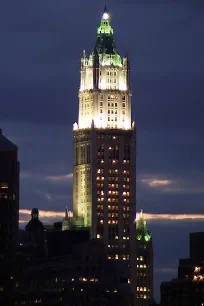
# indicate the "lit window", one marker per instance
pixel 98 236
pixel 3 186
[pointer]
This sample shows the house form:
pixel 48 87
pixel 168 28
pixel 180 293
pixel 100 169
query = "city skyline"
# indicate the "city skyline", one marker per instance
pixel 166 91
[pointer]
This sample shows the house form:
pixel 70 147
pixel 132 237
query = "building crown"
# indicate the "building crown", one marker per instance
pixel 142 232
pixel 105 43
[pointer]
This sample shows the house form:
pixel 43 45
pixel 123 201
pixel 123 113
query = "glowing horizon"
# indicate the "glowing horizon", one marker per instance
pixel 51 214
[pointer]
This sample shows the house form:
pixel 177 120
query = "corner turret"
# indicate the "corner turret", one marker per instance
pixel 144 262
pixel 66 223
pixel 142 231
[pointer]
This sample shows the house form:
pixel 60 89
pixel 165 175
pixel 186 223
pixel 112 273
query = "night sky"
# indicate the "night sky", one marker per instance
pixel 41 45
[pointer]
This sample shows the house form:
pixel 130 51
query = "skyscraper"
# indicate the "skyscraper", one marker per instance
pixel 144 263
pixel 104 174
pixel 9 216
pixel 9 198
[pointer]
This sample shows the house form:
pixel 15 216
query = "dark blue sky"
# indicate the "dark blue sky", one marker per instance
pixel 41 45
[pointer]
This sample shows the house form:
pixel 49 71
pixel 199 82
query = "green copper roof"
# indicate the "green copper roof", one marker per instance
pixel 105 40
pixel 142 232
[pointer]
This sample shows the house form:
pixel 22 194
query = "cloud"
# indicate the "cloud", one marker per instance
pixel 52 214
pixel 46 216
pixel 179 185
pixel 43 213
pixel 48 196
pixel 173 217
pixel 60 178
pixel 52 178
pixel 156 182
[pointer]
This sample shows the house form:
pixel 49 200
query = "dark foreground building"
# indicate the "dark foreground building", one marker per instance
pixel 82 277
pixel 188 288
pixel 9 215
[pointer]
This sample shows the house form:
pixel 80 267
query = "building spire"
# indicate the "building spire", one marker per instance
pixel 141 228
pixel 105 15
pixel 66 212
pixel 105 43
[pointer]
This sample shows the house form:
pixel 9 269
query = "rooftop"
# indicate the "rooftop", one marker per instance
pixel 5 144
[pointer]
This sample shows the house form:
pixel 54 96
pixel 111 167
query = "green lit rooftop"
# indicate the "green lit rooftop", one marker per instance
pixel 142 232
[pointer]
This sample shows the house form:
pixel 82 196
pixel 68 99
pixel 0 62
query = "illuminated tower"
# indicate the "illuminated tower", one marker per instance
pixel 144 263
pixel 104 174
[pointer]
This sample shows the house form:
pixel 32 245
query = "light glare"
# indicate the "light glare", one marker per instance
pixel 105 16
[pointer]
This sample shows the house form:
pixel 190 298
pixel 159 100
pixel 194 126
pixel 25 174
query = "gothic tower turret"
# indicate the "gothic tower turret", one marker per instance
pixel 66 222
pixel 144 263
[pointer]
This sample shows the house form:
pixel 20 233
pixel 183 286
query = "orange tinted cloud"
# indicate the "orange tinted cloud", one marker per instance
pixel 44 213
pixel 173 216
pixel 51 214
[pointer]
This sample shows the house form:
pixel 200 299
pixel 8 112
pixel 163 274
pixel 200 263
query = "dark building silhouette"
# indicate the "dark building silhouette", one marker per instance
pixel 82 277
pixel 9 215
pixel 144 263
pixel 60 243
pixel 197 246
pixel 188 288
pixel 27 247
pixel 36 229
pixel 9 198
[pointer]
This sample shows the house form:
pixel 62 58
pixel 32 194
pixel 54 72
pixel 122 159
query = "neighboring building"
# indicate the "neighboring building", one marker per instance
pixel 188 288
pixel 66 223
pixel 60 243
pixel 83 277
pixel 104 174
pixel 27 247
pixel 144 263
pixel 197 246
pixel 9 216
pixel 9 198
pixel 37 231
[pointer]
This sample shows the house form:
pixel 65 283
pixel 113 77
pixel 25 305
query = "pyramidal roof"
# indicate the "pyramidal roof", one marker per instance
pixel 5 144
pixel 105 43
